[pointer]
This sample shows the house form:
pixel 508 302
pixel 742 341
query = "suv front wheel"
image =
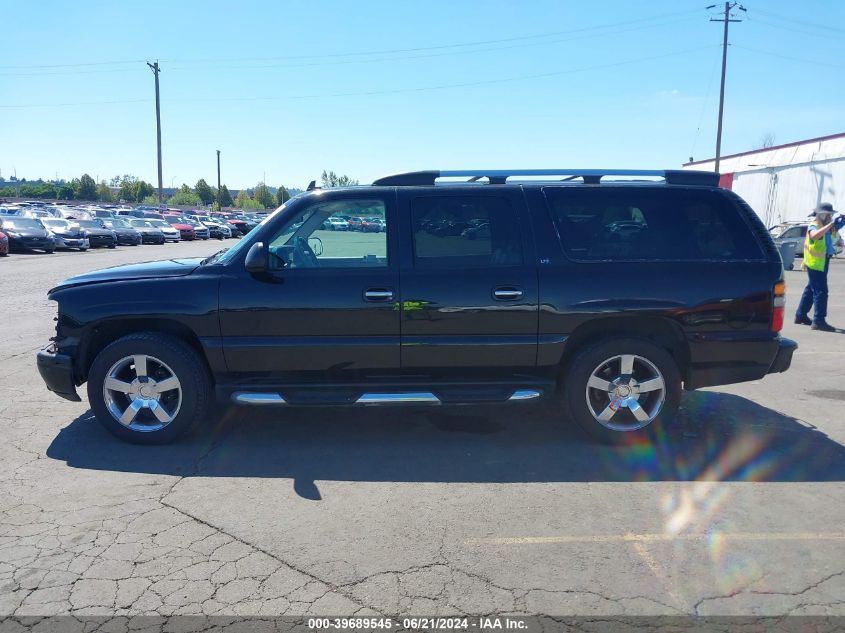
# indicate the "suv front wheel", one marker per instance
pixel 623 391
pixel 149 388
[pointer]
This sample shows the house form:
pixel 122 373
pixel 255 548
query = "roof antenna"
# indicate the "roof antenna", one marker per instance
pixel 312 186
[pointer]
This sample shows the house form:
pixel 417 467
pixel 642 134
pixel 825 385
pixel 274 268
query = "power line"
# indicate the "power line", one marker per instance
pixel 790 29
pixel 367 53
pixel 438 47
pixel 394 90
pixel 790 58
pixel 234 64
pixel 792 20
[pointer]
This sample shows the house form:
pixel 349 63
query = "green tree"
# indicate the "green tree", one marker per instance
pixel 225 197
pixel 282 195
pixel 150 200
pixel 331 179
pixel 37 190
pixel 65 192
pixel 243 201
pixel 9 192
pixel 104 193
pixel 128 189
pixel 144 189
pixel 185 197
pixel 262 196
pixel 85 188
pixel 205 192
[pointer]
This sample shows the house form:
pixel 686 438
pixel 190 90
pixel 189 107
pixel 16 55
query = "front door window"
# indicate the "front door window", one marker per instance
pixel 349 233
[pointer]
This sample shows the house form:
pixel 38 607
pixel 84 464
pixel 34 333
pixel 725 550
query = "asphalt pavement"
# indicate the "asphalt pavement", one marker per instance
pixel 739 511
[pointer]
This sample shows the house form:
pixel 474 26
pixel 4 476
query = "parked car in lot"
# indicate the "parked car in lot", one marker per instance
pixel 532 310
pixel 217 229
pixel 373 225
pixel 125 233
pixel 149 234
pixel 4 244
pixel 171 234
pixel 796 232
pixel 98 235
pixel 355 223
pixel 238 226
pixel 200 229
pixel 186 231
pixel 335 224
pixel 67 233
pixel 26 234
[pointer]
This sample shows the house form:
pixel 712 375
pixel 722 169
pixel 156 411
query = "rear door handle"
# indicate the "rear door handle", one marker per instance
pixel 378 294
pixel 507 293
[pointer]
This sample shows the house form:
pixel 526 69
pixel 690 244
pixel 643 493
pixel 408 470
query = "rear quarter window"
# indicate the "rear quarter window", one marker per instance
pixel 649 224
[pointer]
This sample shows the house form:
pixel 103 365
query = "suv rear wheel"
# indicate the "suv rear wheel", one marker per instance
pixel 623 391
pixel 149 388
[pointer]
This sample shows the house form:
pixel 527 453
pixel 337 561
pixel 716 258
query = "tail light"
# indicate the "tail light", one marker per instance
pixel 778 306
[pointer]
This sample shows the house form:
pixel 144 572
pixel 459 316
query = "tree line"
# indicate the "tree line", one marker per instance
pixel 128 188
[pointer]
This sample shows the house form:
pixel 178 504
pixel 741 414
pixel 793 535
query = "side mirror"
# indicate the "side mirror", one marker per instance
pixel 316 245
pixel 256 258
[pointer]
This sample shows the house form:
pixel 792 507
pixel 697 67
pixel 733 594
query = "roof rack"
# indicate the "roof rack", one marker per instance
pixel 589 176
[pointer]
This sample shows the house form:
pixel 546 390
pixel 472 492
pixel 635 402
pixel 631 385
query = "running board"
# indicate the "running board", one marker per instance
pixel 398 398
pixel 258 398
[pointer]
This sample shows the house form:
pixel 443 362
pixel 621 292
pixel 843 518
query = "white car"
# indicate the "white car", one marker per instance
pixel 170 234
pixel 336 224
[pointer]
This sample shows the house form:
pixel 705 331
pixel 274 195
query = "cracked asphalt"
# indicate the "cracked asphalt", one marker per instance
pixel 507 510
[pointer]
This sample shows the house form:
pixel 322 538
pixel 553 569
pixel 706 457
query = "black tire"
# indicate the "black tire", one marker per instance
pixel 578 402
pixel 112 245
pixel 50 251
pixel 185 363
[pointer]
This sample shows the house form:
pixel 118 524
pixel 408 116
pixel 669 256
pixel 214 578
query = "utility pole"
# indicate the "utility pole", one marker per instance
pixel 726 18
pixel 219 191
pixel 156 70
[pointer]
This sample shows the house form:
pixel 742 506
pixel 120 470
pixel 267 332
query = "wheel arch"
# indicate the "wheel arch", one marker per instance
pixel 659 330
pixel 106 332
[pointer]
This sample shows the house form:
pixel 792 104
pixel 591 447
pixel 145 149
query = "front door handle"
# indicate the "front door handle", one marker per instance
pixel 507 293
pixel 378 294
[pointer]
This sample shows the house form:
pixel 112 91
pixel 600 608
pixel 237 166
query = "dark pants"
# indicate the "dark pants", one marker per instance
pixel 815 294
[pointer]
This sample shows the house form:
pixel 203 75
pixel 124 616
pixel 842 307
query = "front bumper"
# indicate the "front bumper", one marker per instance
pixel 71 242
pixel 57 372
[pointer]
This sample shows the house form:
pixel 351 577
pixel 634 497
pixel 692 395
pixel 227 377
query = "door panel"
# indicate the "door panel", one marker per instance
pixel 327 314
pixel 469 291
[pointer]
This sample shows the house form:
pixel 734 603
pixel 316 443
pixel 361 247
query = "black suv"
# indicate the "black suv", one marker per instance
pixel 606 296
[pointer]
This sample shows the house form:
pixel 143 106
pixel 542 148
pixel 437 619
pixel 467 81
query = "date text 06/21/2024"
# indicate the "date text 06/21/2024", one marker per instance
pixel 418 623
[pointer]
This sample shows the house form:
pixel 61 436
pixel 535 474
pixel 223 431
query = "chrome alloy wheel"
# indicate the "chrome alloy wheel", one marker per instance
pixel 625 393
pixel 142 393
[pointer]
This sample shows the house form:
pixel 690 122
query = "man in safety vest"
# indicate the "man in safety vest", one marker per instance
pixel 818 249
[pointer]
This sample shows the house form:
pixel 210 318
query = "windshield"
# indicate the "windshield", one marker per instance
pixel 58 224
pixel 21 223
pixel 90 224
pixel 246 241
pixel 117 224
pixel 141 223
pixel 159 223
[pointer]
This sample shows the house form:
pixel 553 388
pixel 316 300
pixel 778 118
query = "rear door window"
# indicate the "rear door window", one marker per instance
pixel 465 232
pixel 662 224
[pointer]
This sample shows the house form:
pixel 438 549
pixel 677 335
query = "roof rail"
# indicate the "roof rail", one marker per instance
pixel 589 176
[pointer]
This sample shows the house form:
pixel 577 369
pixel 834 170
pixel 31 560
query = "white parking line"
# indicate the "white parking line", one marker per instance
pixel 656 537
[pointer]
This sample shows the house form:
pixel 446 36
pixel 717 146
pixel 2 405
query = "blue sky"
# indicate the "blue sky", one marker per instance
pixel 287 89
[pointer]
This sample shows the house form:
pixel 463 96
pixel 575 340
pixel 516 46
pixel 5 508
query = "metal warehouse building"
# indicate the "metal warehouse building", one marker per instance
pixel 786 182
